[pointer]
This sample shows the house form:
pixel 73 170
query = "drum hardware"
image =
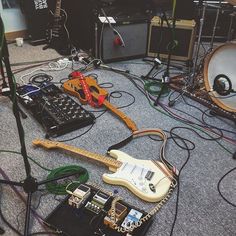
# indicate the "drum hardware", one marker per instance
pixel 202 20
pixel 219 76
pixel 201 95
pixel 231 30
pixel 215 24
pixel 193 74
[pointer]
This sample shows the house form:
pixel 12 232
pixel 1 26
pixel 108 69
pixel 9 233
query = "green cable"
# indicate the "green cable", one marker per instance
pixel 60 188
pixel 155 87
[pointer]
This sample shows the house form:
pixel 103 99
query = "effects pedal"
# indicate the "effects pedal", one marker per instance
pixel 79 196
pixel 120 213
pixel 133 217
pixel 98 202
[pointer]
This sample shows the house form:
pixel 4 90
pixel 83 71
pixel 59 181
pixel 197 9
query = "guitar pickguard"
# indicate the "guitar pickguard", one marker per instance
pixel 135 175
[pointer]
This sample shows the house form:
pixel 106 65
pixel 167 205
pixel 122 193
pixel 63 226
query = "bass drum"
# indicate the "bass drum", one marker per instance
pixel 220 76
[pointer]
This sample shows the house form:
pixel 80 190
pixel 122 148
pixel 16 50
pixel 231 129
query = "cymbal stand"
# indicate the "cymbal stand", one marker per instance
pixel 192 76
pixel 215 24
pixel 231 30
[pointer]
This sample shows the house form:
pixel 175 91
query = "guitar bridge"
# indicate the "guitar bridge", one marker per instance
pixel 149 175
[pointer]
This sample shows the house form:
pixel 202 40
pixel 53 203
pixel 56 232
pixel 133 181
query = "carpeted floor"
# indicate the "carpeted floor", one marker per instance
pixel 201 209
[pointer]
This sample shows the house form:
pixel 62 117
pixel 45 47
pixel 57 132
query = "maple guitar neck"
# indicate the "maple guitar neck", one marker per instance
pixel 131 125
pixel 111 163
pixel 58 9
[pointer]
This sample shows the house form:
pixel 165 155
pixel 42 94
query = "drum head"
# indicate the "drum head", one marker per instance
pixel 220 76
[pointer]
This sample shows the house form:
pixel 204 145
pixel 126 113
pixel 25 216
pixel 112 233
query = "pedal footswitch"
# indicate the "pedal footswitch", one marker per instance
pixel 79 196
pixel 98 202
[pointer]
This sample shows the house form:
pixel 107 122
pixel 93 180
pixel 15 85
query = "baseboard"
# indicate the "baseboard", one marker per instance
pixel 16 34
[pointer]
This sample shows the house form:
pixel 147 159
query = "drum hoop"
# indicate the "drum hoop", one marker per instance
pixel 205 76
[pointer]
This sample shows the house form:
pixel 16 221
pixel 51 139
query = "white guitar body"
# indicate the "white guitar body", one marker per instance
pixel 146 179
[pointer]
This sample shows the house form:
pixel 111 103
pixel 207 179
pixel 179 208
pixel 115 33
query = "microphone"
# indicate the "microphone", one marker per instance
pixel 223 85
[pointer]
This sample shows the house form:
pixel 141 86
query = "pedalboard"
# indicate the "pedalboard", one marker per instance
pixel 57 112
pixel 93 215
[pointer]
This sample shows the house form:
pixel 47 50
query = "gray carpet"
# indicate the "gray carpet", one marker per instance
pixel 201 210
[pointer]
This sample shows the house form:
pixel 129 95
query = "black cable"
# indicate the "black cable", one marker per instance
pixel 215 116
pixel 47 233
pixel 40 78
pixel 6 221
pixel 203 121
pixel 194 131
pixel 218 187
pixel 178 186
pixel 190 122
pixel 174 137
pixel 119 95
pixel 106 85
pixel 2 231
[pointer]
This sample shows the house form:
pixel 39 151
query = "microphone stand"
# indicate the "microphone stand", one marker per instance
pixel 166 76
pixel 6 90
pixel 30 184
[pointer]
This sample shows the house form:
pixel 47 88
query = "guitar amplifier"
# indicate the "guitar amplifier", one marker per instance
pixel 126 39
pixel 160 38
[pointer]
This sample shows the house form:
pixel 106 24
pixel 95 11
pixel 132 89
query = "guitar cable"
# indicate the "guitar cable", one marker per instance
pixel 122 43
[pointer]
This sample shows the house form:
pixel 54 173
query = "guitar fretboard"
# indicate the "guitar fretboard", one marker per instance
pixel 58 9
pixel 110 162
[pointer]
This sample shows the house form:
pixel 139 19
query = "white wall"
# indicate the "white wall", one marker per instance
pixel 13 19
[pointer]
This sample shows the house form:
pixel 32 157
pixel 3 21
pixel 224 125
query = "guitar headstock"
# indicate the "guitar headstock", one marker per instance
pixel 45 143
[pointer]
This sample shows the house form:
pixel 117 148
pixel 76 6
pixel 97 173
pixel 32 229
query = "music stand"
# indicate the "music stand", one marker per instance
pixel 30 184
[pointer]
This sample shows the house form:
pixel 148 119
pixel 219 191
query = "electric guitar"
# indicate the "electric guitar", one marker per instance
pixel 149 180
pixel 74 88
pixel 57 35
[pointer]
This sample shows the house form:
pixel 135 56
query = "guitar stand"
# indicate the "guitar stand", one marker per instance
pixel 30 184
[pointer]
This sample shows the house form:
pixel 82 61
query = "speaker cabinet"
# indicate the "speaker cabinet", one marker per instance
pixel 37 18
pixel 110 46
pixel 160 37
